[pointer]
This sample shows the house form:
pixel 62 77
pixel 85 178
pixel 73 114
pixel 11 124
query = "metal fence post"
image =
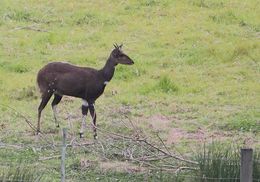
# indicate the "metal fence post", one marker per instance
pixel 246 169
pixel 63 151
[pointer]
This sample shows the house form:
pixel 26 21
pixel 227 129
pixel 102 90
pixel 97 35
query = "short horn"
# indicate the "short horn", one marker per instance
pixel 116 46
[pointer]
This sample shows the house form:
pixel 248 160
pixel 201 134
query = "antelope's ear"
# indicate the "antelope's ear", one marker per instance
pixel 120 47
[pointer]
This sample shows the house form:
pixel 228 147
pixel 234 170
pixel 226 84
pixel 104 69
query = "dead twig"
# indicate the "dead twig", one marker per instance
pixel 153 158
pixel 157 134
pixel 145 163
pixel 103 150
pixel 32 27
pixel 76 144
pixel 3 145
pixel 48 158
pixel 184 168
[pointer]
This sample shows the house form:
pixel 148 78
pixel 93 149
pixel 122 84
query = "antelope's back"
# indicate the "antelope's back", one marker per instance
pixel 54 72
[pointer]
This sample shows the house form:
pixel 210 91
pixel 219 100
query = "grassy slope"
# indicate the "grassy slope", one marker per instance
pixel 197 62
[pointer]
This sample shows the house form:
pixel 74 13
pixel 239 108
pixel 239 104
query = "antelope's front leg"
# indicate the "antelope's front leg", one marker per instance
pixel 94 117
pixel 84 110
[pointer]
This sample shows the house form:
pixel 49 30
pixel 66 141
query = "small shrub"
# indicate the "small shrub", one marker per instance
pixel 243 122
pixel 18 15
pixel 166 85
pixel 18 68
pixel 218 160
pixel 87 19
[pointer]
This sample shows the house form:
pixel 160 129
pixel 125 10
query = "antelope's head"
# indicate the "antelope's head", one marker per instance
pixel 119 57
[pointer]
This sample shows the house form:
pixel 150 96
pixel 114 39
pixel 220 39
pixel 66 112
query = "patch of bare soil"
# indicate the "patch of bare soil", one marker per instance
pixel 159 122
pixel 120 167
pixel 176 135
pixel 163 123
pixel 85 163
pixel 111 166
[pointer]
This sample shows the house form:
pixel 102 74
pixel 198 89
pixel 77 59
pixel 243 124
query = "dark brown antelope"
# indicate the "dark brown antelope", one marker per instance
pixel 60 79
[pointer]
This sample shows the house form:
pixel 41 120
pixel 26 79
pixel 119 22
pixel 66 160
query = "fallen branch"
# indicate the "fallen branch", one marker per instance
pixel 147 143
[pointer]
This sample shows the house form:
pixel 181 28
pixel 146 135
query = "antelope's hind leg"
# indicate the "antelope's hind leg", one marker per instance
pixel 45 99
pixel 94 117
pixel 55 102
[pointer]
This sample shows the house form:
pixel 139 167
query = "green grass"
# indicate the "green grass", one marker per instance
pixel 196 65
pixel 220 160
pixel 20 173
pixel 243 122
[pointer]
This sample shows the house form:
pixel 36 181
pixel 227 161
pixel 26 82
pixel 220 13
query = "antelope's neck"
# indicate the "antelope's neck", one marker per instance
pixel 108 70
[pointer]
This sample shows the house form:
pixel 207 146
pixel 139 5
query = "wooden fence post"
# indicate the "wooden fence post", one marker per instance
pixel 63 151
pixel 246 168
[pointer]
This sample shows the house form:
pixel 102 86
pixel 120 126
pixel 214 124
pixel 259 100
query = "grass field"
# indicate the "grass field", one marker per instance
pixel 196 76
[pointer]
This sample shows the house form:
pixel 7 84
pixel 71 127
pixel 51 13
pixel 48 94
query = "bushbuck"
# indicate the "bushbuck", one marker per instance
pixel 59 78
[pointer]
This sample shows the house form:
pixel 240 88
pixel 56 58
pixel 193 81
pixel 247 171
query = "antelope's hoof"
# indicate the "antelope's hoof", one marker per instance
pixel 37 132
pixel 95 137
pixel 80 135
